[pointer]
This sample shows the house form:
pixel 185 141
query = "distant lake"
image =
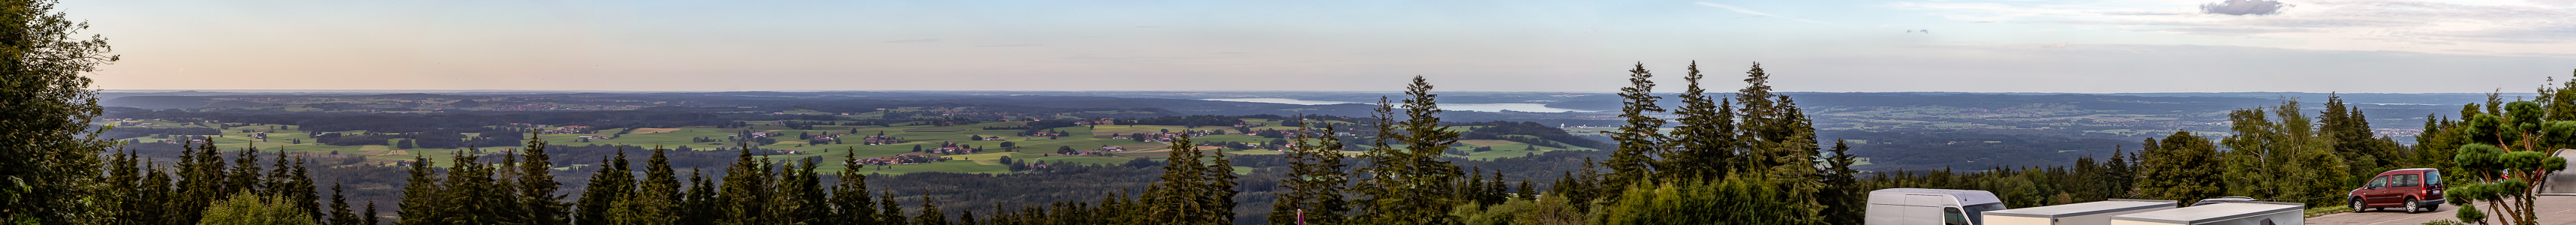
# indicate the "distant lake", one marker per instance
pixel 1479 107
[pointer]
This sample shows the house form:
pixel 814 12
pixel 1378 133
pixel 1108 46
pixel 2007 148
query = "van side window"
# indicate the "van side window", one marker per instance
pixel 2405 180
pixel 2376 183
pixel 1952 216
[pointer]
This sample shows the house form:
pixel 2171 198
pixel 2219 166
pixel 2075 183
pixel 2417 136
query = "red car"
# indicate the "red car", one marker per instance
pixel 2416 190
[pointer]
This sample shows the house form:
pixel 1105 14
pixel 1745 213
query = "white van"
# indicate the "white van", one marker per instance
pixel 1918 206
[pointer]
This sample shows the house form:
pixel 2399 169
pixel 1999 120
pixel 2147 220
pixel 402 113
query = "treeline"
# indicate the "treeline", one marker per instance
pixel 1935 150
pixel 133 132
pixel 1529 132
pixel 1191 121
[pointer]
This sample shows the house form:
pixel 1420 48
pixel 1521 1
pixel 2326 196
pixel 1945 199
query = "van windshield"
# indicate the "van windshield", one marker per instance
pixel 1977 212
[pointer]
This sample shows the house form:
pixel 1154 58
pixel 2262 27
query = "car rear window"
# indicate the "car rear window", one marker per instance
pixel 2433 177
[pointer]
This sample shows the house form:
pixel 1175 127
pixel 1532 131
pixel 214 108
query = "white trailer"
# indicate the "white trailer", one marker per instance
pixel 2089 213
pixel 1917 206
pixel 2232 213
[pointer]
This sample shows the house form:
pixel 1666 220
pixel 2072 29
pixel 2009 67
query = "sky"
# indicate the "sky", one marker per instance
pixel 2079 46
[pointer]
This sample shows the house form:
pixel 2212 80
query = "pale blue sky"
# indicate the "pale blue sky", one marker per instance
pixel 2398 46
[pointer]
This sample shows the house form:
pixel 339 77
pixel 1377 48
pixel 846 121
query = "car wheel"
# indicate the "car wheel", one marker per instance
pixel 2412 206
pixel 2356 206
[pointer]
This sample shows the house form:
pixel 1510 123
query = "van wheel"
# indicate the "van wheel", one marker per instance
pixel 2412 206
pixel 2356 206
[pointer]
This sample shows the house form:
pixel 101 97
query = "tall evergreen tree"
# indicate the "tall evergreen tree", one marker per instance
pixel 613 182
pixel 747 191
pixel 1192 191
pixel 420 196
pixel 340 214
pixel 370 217
pixel 1642 137
pixel 930 214
pixel 536 186
pixel 2349 130
pixel 701 206
pixel 890 212
pixel 1405 181
pixel 801 196
pixel 1315 182
pixel 850 200
pixel 1843 197
pixel 655 199
pixel 1704 143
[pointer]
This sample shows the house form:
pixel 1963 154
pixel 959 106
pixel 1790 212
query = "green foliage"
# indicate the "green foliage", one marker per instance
pixel 2506 152
pixel 1724 201
pixel 52 156
pixel 1547 210
pixel 2183 167
pixel 250 209
pixel 2470 213
pixel 2279 154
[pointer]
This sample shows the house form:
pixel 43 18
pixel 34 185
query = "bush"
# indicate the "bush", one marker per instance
pixel 1723 202
pixel 248 209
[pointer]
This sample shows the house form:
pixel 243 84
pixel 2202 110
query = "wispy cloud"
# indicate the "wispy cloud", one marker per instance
pixel 912 40
pixel 1749 11
pixel 2346 24
pixel 2244 7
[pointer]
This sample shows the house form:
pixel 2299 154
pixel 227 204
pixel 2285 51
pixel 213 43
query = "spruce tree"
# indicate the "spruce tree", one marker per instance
pixel 930 214
pixel 1315 182
pixel 470 194
pixel 611 183
pixel 340 214
pixel 420 196
pixel 1843 197
pixel 370 217
pixel 1190 188
pixel 536 186
pixel 654 198
pixel 701 206
pixel 802 198
pixel 1406 181
pixel 1641 139
pixel 890 212
pixel 1704 143
pixel 850 202
pixel 748 187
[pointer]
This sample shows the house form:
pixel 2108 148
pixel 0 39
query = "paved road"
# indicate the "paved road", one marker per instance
pixel 2563 182
pixel 2554 210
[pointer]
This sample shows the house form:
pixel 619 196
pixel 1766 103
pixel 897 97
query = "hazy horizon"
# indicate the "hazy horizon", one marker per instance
pixel 2071 46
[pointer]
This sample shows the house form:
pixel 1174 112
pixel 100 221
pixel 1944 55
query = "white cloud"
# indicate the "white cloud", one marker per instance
pixel 1749 11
